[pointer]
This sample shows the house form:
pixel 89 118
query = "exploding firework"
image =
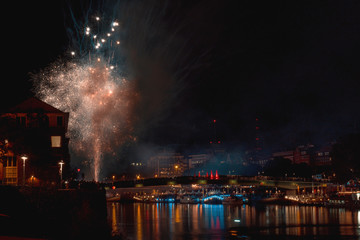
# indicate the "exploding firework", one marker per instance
pixel 91 84
pixel 99 104
pixel 120 74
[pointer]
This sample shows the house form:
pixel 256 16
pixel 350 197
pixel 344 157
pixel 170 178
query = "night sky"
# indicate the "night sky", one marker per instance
pixel 294 65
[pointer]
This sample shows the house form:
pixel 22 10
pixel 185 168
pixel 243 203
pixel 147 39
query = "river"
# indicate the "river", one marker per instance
pixel 202 221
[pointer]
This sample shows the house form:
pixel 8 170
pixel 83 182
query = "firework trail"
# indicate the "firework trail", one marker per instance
pixel 90 84
pixel 121 71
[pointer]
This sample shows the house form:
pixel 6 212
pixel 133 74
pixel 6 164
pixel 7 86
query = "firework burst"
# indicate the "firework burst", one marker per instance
pixel 90 84
pixel 120 74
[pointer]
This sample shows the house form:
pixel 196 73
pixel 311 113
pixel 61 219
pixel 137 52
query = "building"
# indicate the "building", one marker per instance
pixel 308 154
pixel 198 160
pixel 304 154
pixel 35 133
pixel 284 154
pixel 167 163
pixel 322 156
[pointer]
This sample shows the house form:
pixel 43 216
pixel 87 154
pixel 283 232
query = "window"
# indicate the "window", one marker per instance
pixel 59 121
pixel 11 172
pixel 320 154
pixel 21 121
pixel 55 141
pixel 10 162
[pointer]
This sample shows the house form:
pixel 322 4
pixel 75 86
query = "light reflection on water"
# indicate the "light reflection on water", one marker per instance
pixel 203 221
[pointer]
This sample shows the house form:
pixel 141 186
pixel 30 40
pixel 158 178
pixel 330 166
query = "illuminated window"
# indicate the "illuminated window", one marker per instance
pixel 11 172
pixel 55 141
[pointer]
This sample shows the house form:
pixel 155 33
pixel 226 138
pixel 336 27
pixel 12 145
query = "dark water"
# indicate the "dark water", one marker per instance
pixel 203 221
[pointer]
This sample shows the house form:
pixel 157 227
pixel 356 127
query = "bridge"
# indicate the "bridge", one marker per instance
pixel 286 184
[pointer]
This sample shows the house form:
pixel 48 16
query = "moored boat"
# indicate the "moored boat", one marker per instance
pixel 232 200
pixel 189 199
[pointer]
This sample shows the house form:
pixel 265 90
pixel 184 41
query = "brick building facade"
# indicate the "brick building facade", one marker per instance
pixel 35 131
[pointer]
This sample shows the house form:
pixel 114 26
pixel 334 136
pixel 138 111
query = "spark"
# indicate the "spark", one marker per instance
pixel 97 99
pixel 102 85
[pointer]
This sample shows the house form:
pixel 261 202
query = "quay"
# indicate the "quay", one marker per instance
pixel 49 213
pixel 246 190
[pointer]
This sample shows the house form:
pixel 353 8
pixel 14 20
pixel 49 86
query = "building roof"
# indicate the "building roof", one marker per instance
pixel 34 104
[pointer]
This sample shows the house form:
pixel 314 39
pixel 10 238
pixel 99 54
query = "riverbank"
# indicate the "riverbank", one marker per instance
pixel 53 214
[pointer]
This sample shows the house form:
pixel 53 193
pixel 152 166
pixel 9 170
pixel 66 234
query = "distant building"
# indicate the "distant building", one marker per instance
pixel 284 154
pixel 37 131
pixel 168 164
pixel 252 157
pixel 322 156
pixel 308 154
pixel 304 154
pixel 198 160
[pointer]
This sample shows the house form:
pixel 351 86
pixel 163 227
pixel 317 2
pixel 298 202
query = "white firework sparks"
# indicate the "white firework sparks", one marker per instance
pixel 99 104
pixel 92 89
pixel 106 106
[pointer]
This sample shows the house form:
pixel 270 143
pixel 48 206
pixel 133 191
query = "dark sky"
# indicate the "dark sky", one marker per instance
pixel 292 64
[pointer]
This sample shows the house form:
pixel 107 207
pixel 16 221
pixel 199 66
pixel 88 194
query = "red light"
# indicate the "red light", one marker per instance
pixel 257 128
pixel 78 169
pixel 210 142
pixel 257 139
pixel 211 175
pixel 214 121
pixel 113 187
pixel 216 175
pixel 218 141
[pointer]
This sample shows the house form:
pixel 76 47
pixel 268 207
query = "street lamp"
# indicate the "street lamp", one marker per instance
pixel 24 158
pixel 61 163
pixel 176 169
